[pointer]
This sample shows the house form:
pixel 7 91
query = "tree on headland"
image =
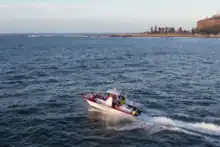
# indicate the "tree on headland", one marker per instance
pixel 151 29
pixel 180 30
pixel 193 31
pixel 155 29
pixel 173 30
pixel 170 30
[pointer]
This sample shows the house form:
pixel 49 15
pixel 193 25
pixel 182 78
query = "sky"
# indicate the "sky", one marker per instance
pixel 101 16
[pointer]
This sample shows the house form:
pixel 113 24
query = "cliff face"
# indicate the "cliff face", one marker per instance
pixel 209 25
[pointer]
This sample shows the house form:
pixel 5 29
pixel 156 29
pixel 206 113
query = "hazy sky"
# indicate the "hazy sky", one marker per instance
pixel 101 15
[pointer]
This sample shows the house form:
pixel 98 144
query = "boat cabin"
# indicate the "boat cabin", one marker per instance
pixel 114 98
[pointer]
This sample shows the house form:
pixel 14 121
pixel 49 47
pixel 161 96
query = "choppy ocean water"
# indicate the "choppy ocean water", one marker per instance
pixel 175 80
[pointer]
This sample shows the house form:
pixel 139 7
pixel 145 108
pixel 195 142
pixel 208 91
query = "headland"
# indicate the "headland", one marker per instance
pixel 206 28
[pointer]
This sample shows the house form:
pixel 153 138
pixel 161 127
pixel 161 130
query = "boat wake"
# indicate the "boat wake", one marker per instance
pixel 157 124
pixel 199 127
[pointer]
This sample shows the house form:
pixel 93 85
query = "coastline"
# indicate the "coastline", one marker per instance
pixel 165 35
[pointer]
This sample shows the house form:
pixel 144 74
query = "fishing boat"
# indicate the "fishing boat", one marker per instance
pixel 114 104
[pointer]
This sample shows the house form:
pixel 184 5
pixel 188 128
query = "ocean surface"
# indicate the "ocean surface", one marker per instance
pixel 176 81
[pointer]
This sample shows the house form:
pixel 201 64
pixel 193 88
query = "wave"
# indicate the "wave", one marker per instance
pixel 66 36
pixel 42 35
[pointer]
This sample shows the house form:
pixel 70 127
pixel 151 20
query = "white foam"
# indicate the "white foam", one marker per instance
pixel 160 123
pixel 207 126
pixel 40 35
pixel 157 124
pixel 150 129
pixel 200 127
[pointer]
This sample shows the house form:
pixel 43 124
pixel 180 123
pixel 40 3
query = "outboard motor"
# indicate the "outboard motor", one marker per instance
pixel 136 112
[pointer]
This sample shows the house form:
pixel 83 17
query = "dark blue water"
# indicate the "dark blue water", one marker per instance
pixel 176 81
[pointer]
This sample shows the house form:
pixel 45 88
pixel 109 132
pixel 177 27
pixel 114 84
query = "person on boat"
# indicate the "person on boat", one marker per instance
pixel 118 100
pixel 114 103
pixel 112 98
pixel 109 95
pixel 122 100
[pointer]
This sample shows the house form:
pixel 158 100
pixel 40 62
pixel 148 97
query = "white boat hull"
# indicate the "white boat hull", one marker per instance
pixel 111 111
